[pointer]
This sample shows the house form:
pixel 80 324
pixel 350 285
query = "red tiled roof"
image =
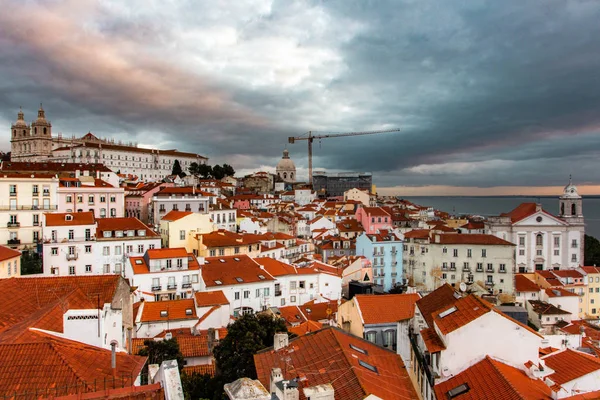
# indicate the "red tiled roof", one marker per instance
pixel 224 238
pixel 570 364
pixel 591 270
pixel 227 270
pixel 595 395
pixel 175 215
pixel 51 167
pixel 305 327
pixel 523 211
pixel 568 273
pixel 208 299
pixel 524 284
pixel 326 356
pixel 439 298
pixel 52 362
pixel 76 218
pixel 559 292
pixel 417 234
pixel 276 267
pixel 7 253
pixel 124 224
pixel 319 311
pixel 543 308
pixel 157 254
pixel 206 369
pixel 381 309
pixel 472 238
pixel 432 341
pixel 490 378
pixel 376 211
pixel 175 310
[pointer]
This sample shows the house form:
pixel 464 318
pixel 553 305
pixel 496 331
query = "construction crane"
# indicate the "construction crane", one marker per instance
pixel 310 138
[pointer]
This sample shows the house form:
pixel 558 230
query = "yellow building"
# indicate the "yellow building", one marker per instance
pixel 590 305
pixel 179 228
pixel 10 263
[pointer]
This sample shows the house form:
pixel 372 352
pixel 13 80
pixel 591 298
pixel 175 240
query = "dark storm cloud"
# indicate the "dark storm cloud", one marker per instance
pixel 486 93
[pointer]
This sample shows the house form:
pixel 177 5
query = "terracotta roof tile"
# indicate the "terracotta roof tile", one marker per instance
pixel 489 379
pixel 124 224
pixel 209 299
pixel 52 362
pixel 232 270
pixel 326 356
pixel 305 327
pixel 472 238
pixel 570 364
pixel 543 308
pixel 171 310
pixel 70 219
pixel 156 254
pixel 417 234
pixel 175 215
pixel 376 211
pixel 523 211
pixel 524 284
pixel 7 253
pixel 432 341
pixel 559 292
pixel 206 369
pixel 319 311
pixel 381 309
pixel 439 298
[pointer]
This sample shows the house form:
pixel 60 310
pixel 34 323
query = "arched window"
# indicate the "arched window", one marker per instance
pixel 285 175
pixel 45 131
pixel 14 132
pixel 562 209
pixel 573 209
pixel 291 175
pixel 35 131
pixel 371 336
pixel 539 240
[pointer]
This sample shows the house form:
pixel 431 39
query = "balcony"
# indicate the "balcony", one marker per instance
pixel 502 270
pixel 489 283
pixel 35 193
pixel 466 269
pixel 13 194
pixel 394 274
pixel 277 293
pixel 28 208
pixel 46 193
pixel 162 210
pixel 172 286
pixel 14 224
pixel 489 270
pixel 156 288
pixel 13 241
pixel 479 269
pixel 444 268
pixel 452 268
pixel 186 285
pixel 72 257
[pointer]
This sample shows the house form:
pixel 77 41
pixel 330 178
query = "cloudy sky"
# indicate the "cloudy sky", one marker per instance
pixel 486 93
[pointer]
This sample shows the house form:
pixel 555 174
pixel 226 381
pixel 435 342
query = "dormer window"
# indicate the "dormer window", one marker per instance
pixel 188 311
pixel 107 234
pixel 130 233
pixel 118 233
pixel 164 313
pixel 141 232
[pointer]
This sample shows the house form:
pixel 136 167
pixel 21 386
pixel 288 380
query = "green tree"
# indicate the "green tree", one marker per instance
pixel 193 169
pixel 161 350
pixel 176 168
pixel 198 386
pixel 205 171
pixel 234 356
pixel 591 255
pixel 218 172
pixel 31 263
pixel 228 170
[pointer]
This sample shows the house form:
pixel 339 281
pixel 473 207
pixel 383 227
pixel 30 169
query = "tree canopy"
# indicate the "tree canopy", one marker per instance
pixel 177 169
pixel 206 171
pixel 249 334
pixel 162 350
pixel 591 251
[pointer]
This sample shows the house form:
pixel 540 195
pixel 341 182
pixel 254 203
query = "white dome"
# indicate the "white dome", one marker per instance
pixel 286 163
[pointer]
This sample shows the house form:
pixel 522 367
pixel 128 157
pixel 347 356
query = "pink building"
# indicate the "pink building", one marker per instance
pixel 374 219
pixel 138 199
pixel 88 193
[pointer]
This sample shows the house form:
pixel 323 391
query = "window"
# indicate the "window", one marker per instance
pixel 80 198
pixel 573 257
pixel 71 270
pixel 69 198
pixel 557 252
pixel 490 279
pixel 102 199
pixel 266 292
pixel 539 239
pixel 181 235
pixel 455 252
pixel 292 299
pixel 113 212
pixel 389 338
pixel 212 253
pixel 118 250
pixel 102 212
pixel 71 234
pixel 502 267
pixel 483 253
pixel 236 250
pixel 444 250
pixel 88 268
pixel 283 302
pixel 469 253
pixel 91 199
pixel 490 267
pixel 293 285
pixel 371 336
pixel 521 252
pixel 574 243
pixel 140 248
pixel 257 293
pixel 556 241
pixel 479 267
pixel 302 284
pixel 169 264
pixel 54 251
pixel 113 199
pixel 237 296
pixel 88 249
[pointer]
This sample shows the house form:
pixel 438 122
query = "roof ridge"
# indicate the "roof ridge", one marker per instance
pixel 52 344
pixel 493 362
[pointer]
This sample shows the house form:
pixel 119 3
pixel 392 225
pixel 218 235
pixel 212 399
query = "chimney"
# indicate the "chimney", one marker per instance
pixel 113 357
pixel 320 392
pixel 281 341
pixel 276 376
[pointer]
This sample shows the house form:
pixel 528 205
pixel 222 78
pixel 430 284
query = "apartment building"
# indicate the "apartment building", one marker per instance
pixel 25 198
pixel 10 263
pixel 384 250
pixel 223 216
pixel 590 303
pixel 431 261
pixel 179 199
pixel 87 193
pixel 139 197
pixel 68 244
pixel 164 274
pixel 179 228
pixel 374 219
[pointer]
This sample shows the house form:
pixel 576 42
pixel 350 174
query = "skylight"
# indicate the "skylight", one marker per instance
pixel 367 366
pixel 188 311
pixel 218 282
pixel 447 312
pixel 138 262
pixel 457 391
pixel 236 259
pixel 164 313
pixel 220 259
pixel 261 277
pixel 362 351
pixel 239 279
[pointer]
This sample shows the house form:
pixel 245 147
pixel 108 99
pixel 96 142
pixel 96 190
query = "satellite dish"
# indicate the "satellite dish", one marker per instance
pixel 463 287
